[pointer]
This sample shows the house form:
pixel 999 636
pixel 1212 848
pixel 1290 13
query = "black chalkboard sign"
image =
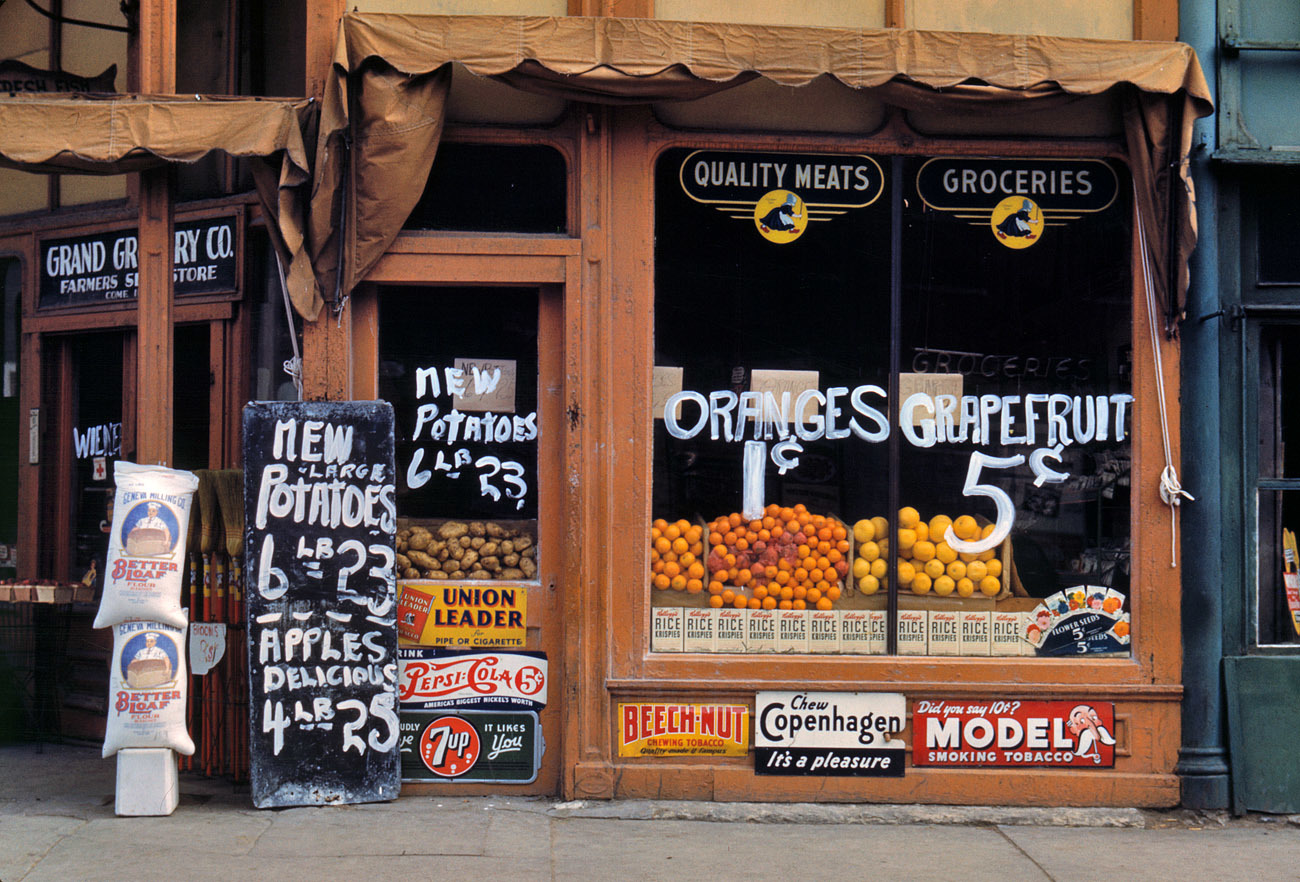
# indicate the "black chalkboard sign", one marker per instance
pixel 320 517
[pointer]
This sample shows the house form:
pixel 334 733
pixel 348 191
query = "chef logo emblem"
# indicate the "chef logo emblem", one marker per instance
pixel 780 216
pixel 1017 222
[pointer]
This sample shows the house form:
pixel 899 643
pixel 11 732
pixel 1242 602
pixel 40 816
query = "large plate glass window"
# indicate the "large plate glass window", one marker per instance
pixel 891 421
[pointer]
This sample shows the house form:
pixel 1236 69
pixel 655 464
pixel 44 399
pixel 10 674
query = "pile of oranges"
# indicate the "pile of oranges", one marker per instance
pixel 788 559
pixel 926 562
pixel 675 556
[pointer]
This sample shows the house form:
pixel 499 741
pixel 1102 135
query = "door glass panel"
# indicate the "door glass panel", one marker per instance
pixel 191 394
pixel 459 366
pixel 96 432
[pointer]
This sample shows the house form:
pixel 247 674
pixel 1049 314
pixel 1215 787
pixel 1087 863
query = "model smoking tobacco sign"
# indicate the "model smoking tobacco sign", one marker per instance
pixel 781 193
pixel 1013 733
pixel 1017 198
pixel 320 519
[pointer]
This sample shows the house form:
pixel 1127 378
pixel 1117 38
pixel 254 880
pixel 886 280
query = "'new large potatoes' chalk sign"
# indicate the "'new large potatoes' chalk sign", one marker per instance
pixel 320 520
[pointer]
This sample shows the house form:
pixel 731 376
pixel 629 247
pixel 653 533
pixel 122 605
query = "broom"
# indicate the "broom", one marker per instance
pixel 210 524
pixel 194 553
pixel 230 496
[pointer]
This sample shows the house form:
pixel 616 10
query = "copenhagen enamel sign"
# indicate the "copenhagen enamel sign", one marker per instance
pixel 829 734
pixel 781 193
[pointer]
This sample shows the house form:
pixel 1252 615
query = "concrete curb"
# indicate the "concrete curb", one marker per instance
pixel 810 813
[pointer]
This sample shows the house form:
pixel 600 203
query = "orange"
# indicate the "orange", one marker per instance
pixel 922 531
pixel 743 577
pixel 881 525
pixel 728 596
pixel 921 583
pixel 868 551
pixel 715 587
pixel 760 591
pixel 798 604
pixel 945 552
pixel 923 551
pixel 734 519
pixel 686 559
pixel 838 532
pixel 908 517
pixel 678 583
pixel 906 539
pixel 769 603
pixel 715 601
pixel 868 584
pixel 864 531
pixel 994 567
pixel 672 532
pixel 977 570
pixel 944 585
pixel 661 582
pixel 833 592
pixel 965 587
pixel 990 586
pixel 755 603
pixel 824 603
pixel 933 568
pixel 861 568
pixel 741 602
pixel 663 545
pixel 813 595
pixel 939 525
pixel 966 527
pixel 957 569
pixel 694 586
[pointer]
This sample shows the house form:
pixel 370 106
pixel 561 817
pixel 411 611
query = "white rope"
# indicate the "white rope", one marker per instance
pixel 292 366
pixel 1171 492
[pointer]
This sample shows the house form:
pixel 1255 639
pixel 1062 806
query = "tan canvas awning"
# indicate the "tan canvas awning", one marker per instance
pixel 386 100
pixel 115 134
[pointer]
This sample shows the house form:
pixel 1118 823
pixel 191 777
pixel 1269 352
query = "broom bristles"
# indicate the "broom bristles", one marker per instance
pixel 208 511
pixel 230 496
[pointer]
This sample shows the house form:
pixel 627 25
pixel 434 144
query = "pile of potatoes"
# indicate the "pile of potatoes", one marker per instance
pixel 459 550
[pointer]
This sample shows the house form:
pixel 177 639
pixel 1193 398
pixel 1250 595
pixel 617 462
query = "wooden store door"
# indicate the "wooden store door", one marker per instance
pixel 474 376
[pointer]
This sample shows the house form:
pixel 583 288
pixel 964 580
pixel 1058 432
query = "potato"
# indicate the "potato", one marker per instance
pixel 403 562
pixel 511 574
pixel 523 542
pixel 453 530
pixel 457 574
pixel 468 559
pixel 438 574
pixel 529 568
pixel 477 542
pixel 480 574
pixel 477 528
pixel 507 546
pixel 489 548
pixel 491 564
pixel 410 573
pixel 450 565
pixel 510 560
pixel 419 539
pixel 422 560
pixel 495 530
pixel 464 541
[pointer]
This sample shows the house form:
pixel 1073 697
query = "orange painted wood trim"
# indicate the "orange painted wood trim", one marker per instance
pixel 320 39
pixel 1155 19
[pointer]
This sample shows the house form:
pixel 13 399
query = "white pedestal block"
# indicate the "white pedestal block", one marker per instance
pixel 147 781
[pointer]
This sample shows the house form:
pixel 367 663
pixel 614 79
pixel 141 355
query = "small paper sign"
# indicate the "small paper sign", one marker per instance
pixel 207 646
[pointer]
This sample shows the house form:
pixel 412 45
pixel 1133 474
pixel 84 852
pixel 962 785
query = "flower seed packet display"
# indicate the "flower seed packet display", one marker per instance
pixel 1085 619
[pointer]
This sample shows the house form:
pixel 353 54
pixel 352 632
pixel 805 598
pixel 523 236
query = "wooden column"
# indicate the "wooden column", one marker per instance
pixel 154 56
pixel 154 378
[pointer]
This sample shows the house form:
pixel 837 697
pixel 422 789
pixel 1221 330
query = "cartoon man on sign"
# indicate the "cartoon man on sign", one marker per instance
pixel 1085 725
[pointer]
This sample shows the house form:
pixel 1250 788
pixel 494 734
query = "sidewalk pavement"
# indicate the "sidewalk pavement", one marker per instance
pixel 57 823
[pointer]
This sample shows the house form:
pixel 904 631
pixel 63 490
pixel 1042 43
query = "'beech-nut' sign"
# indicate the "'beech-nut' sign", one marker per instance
pixel 105 267
pixel 320 516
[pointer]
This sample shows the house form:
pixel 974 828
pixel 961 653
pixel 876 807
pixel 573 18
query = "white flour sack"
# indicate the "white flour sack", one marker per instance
pixel 146 548
pixel 146 688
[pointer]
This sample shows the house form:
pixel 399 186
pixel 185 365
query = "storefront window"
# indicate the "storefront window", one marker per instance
pixel 891 421
pixel 494 188
pixel 459 366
